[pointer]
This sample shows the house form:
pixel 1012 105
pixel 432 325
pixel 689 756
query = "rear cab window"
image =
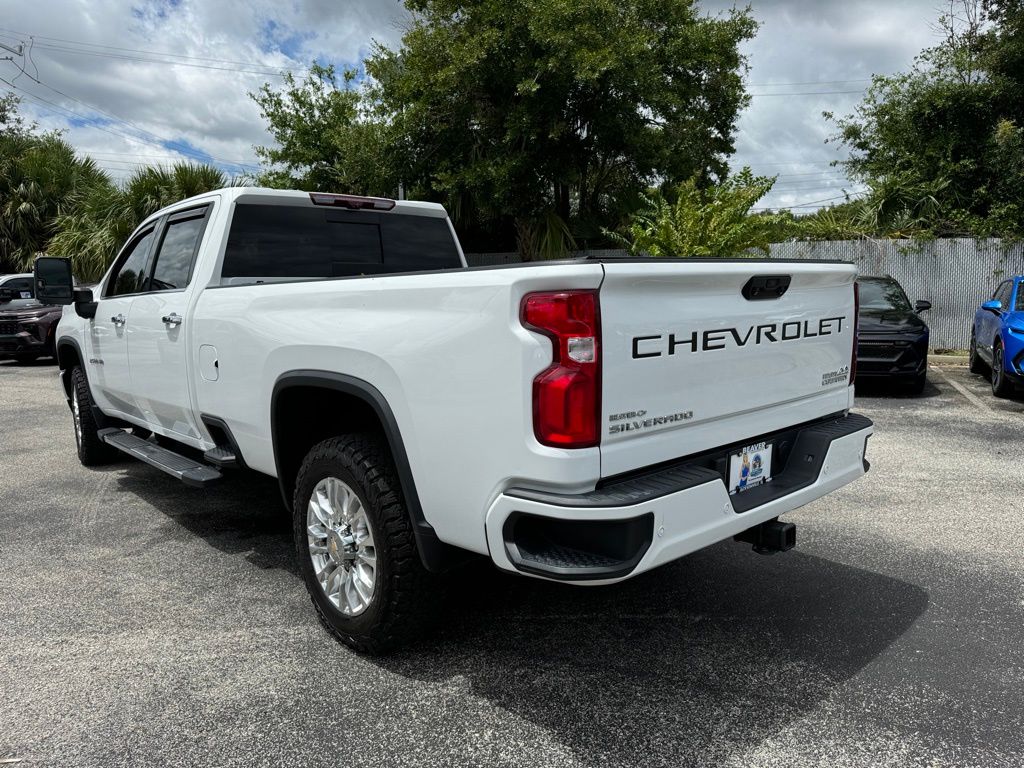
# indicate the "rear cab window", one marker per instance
pixel 273 243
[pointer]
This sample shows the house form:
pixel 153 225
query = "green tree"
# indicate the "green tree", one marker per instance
pixel 713 221
pixel 934 145
pixel 536 109
pixel 40 176
pixel 105 214
pixel 327 136
pixel 540 117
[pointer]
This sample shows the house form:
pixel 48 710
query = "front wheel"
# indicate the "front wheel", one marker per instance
pixel 355 544
pixel 1001 386
pixel 91 450
pixel 974 361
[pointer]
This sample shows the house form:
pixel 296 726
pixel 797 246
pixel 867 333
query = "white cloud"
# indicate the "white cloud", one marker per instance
pixel 90 56
pixel 802 45
pixel 816 51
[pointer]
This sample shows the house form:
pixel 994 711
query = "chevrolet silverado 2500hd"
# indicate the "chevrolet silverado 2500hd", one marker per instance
pixel 581 421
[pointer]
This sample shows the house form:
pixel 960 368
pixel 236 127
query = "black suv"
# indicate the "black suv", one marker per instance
pixel 27 328
pixel 893 343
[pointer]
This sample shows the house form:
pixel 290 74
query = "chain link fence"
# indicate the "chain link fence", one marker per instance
pixel 955 275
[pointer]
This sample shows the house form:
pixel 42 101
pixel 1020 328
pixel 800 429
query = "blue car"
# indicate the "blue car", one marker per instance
pixel 997 337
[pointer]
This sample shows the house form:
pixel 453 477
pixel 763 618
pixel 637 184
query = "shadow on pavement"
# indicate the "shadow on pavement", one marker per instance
pixel 242 514
pixel 688 664
pixel 895 389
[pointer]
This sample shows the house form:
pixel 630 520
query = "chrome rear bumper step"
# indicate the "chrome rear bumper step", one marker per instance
pixel 189 471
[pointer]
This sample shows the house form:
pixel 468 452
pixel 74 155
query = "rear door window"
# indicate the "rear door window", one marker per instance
pixel 177 254
pixel 277 242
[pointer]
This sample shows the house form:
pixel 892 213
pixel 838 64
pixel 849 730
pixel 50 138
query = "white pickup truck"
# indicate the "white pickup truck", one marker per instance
pixel 583 421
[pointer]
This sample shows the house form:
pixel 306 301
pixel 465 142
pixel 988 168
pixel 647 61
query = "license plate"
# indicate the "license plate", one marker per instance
pixel 750 468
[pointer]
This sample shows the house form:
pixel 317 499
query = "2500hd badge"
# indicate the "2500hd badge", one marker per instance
pixel 716 338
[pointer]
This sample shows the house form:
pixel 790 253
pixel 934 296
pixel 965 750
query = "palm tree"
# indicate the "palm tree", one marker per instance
pixel 105 214
pixel 39 179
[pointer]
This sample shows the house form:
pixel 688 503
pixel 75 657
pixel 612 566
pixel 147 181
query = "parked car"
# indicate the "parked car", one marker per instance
pixel 16 287
pixel 578 421
pixel 27 327
pixel 997 337
pixel 893 339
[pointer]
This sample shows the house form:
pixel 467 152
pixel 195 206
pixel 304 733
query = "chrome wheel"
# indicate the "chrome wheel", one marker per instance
pixel 341 546
pixel 77 417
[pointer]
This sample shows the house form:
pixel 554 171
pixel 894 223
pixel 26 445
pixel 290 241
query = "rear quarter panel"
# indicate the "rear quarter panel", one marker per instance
pixel 446 350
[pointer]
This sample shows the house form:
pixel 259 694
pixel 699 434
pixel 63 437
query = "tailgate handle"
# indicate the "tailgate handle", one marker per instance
pixel 763 287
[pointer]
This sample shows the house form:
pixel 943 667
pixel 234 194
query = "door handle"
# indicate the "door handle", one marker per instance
pixel 117 319
pixel 172 319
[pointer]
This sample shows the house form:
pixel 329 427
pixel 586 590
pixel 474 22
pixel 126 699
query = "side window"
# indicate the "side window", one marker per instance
pixel 130 276
pixel 1020 297
pixel 1003 294
pixel 177 252
pixel 22 287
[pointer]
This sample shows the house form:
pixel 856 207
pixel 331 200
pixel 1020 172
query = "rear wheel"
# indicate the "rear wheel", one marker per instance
pixel 974 361
pixel 91 450
pixel 355 544
pixel 1001 386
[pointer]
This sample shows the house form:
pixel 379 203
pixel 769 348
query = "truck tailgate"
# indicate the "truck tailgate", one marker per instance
pixel 696 358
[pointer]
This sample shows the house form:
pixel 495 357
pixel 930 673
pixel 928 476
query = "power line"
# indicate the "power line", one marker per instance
pixel 89 122
pixel 124 57
pixel 96 49
pixel 140 50
pixel 806 205
pixel 809 82
pixel 806 93
pixel 166 143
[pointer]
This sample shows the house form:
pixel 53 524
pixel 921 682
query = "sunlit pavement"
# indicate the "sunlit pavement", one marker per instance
pixel 146 623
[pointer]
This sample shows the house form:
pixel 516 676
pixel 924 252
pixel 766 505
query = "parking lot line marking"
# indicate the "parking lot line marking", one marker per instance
pixel 971 397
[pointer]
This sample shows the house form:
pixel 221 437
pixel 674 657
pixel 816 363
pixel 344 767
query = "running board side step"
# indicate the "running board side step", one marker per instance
pixel 221 457
pixel 189 471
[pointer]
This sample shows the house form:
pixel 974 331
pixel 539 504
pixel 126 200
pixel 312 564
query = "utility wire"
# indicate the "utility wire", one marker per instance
pixel 90 122
pixel 806 205
pixel 178 146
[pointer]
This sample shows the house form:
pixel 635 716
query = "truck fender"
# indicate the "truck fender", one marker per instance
pixel 436 555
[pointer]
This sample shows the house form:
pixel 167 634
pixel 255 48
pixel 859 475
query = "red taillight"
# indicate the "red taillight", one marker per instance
pixel 856 330
pixel 567 394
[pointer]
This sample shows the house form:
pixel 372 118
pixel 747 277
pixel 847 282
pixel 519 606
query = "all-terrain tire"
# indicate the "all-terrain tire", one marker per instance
pixel 405 595
pixel 92 451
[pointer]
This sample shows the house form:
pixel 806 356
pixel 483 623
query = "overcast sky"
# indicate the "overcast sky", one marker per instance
pixel 148 81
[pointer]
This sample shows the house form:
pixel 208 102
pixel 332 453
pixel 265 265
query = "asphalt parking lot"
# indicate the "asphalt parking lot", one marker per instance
pixel 146 623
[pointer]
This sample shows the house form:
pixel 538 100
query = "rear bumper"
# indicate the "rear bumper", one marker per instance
pixel 629 526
